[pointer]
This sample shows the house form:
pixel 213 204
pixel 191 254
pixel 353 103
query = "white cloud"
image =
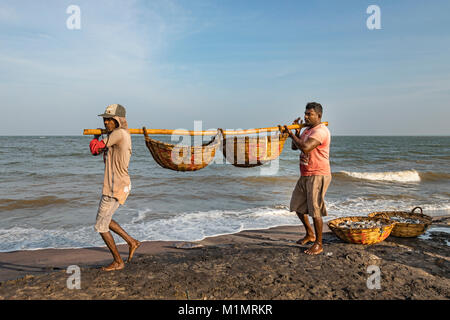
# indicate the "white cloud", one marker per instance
pixel 118 39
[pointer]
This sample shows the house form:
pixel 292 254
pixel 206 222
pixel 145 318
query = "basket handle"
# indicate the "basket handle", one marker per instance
pixel 421 211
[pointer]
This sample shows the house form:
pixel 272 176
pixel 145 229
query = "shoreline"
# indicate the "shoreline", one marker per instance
pixel 21 263
pixel 250 264
pixel 441 213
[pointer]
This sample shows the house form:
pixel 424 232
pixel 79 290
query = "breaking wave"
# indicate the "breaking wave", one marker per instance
pixel 407 176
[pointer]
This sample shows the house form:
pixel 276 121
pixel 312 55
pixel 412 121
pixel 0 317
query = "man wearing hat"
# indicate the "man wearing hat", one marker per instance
pixel 116 149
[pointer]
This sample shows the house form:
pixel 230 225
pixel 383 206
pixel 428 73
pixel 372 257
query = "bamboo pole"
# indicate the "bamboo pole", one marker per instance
pixel 197 133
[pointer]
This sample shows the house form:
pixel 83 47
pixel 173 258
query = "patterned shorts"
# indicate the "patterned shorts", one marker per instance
pixel 106 209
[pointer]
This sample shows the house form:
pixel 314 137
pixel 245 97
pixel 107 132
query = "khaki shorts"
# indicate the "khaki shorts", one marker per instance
pixel 106 209
pixel 309 194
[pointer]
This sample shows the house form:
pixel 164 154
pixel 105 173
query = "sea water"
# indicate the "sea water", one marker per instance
pixel 50 187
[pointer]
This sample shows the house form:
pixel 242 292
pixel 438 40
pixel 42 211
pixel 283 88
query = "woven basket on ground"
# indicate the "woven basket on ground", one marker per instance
pixel 407 230
pixel 362 236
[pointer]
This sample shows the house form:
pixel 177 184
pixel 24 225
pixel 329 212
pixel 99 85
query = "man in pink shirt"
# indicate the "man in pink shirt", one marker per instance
pixel 309 193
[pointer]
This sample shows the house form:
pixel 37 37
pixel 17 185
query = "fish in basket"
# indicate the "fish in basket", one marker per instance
pixel 361 230
pixel 407 224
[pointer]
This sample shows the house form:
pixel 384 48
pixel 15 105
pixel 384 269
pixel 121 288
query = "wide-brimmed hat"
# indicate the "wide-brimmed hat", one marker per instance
pixel 114 110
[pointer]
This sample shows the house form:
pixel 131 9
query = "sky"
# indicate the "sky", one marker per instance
pixel 230 64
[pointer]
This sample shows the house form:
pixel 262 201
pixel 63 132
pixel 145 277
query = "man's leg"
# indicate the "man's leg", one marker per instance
pixel 299 205
pixel 309 237
pixel 316 189
pixel 133 244
pixel 117 264
pixel 106 209
pixel 317 246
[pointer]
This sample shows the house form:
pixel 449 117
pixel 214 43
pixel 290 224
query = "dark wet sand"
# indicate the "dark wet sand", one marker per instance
pixel 254 264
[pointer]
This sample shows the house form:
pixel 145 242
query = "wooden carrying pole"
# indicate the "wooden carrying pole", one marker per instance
pixel 197 133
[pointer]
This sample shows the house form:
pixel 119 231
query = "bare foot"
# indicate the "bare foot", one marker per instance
pixel 114 266
pixel 132 249
pixel 306 239
pixel 315 249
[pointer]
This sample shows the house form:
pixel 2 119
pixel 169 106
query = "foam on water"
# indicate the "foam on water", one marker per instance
pixel 184 227
pixel 361 206
pixel 198 225
pixel 187 226
pixel 142 214
pixel 396 176
pixel 29 238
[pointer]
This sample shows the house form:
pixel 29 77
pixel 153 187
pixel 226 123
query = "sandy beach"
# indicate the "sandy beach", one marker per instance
pixel 252 264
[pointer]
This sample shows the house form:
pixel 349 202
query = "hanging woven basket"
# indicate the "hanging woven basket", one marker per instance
pixel 182 158
pixel 406 230
pixel 247 152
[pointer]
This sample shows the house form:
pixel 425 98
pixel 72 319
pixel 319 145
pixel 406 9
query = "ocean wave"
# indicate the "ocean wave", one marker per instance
pixel 187 226
pixel 255 179
pixel 407 176
pixel 269 179
pixel 146 225
pixel 365 205
pixel 29 238
pixel 390 196
pixel 142 214
pixel 434 176
pixel 13 204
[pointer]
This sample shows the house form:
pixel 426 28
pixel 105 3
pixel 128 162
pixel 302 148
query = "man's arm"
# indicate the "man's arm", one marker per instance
pixel 307 146
pixel 297 134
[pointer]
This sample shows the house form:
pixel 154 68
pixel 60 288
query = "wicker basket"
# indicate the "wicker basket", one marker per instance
pixel 361 236
pixel 407 230
pixel 248 152
pixel 182 158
